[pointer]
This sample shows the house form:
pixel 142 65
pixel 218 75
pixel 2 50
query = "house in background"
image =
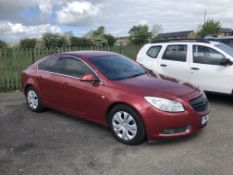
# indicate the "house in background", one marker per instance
pixel 225 32
pixel 190 34
pixel 122 41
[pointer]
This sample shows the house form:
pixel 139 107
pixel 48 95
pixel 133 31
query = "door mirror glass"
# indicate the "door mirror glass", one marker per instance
pixel 226 62
pixel 89 77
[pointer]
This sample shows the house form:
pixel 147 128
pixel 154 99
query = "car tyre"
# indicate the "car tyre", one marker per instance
pixel 33 100
pixel 126 125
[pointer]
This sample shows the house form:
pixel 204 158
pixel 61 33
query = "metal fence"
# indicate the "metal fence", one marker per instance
pixel 13 61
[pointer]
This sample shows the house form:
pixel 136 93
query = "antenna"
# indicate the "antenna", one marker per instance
pixel 205 16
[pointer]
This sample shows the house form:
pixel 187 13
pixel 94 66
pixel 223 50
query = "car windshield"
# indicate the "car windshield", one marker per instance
pixel 225 48
pixel 117 67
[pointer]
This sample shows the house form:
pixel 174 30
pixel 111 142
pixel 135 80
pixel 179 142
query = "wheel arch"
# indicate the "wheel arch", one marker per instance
pixel 26 88
pixel 110 107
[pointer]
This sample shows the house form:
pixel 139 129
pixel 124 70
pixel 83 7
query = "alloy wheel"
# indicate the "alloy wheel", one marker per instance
pixel 124 125
pixel 32 99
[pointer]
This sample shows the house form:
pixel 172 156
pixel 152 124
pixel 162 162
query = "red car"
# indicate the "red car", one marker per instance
pixel 115 91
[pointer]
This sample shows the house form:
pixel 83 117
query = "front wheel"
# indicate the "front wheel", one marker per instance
pixel 126 125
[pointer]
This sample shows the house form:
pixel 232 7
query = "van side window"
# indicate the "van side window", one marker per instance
pixel 153 51
pixel 175 53
pixel 206 55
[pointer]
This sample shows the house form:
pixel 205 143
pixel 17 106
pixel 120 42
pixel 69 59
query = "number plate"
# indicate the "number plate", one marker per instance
pixel 204 120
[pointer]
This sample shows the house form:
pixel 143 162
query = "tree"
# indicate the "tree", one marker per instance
pixel 210 27
pixel 110 39
pixel 52 40
pixel 100 31
pixel 156 29
pixel 80 42
pixel 2 44
pixel 68 34
pixel 100 38
pixel 97 36
pixel 139 34
pixel 28 43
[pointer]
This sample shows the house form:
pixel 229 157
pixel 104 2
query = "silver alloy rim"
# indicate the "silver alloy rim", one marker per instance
pixel 124 125
pixel 32 99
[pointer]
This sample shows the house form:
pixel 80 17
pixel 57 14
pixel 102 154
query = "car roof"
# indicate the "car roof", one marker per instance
pixel 88 54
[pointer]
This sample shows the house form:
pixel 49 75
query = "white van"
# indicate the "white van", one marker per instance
pixel 203 63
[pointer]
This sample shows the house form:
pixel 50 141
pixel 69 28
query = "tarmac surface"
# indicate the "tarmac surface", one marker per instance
pixel 53 143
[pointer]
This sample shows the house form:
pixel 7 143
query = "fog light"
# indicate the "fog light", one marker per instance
pixel 176 130
pixel 168 131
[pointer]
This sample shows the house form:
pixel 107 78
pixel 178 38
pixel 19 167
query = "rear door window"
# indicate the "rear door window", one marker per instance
pixel 175 53
pixel 153 51
pixel 66 66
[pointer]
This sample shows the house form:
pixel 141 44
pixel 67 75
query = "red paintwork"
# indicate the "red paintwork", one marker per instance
pixel 92 101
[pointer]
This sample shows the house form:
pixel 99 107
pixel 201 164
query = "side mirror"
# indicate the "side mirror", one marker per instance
pixel 89 77
pixel 226 62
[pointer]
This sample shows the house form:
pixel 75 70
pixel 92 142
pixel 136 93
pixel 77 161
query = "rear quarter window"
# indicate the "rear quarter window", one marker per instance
pixel 47 64
pixel 153 51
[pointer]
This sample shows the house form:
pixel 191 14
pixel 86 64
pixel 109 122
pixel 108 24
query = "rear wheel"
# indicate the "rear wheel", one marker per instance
pixel 126 125
pixel 33 100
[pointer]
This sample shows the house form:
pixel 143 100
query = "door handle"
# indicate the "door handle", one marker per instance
pixel 163 65
pixel 195 68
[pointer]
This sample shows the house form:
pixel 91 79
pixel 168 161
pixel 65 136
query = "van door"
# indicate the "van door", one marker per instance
pixel 207 72
pixel 174 62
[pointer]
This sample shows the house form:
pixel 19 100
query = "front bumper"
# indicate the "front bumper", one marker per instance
pixel 164 125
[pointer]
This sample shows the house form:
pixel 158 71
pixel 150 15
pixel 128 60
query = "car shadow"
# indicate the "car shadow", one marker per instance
pixel 220 98
pixel 77 119
pixel 178 140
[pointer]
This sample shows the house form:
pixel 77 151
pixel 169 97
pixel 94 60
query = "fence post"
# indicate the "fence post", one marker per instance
pixel 120 48
pixel 33 55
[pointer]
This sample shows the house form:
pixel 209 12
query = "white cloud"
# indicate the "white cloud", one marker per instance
pixel 78 13
pixel 46 7
pixel 118 16
pixel 142 22
pixel 16 31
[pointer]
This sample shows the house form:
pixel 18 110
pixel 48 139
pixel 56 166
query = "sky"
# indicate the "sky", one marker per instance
pixel 31 18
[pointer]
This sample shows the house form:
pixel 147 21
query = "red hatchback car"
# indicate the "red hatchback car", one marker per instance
pixel 113 90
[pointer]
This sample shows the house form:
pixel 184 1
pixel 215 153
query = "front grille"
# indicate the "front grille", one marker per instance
pixel 200 103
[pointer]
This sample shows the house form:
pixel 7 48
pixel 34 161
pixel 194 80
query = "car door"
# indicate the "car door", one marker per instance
pixel 207 71
pixel 50 82
pixel 174 62
pixel 80 97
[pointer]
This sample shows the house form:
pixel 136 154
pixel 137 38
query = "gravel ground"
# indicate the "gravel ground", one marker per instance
pixel 54 143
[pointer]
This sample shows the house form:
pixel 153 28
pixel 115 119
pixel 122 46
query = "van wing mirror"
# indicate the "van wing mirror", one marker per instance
pixel 226 62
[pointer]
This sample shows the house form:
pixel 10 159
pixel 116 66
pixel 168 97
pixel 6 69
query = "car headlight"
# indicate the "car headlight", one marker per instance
pixel 165 104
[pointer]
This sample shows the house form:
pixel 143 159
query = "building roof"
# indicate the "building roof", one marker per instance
pixel 122 38
pixel 175 34
pixel 225 30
